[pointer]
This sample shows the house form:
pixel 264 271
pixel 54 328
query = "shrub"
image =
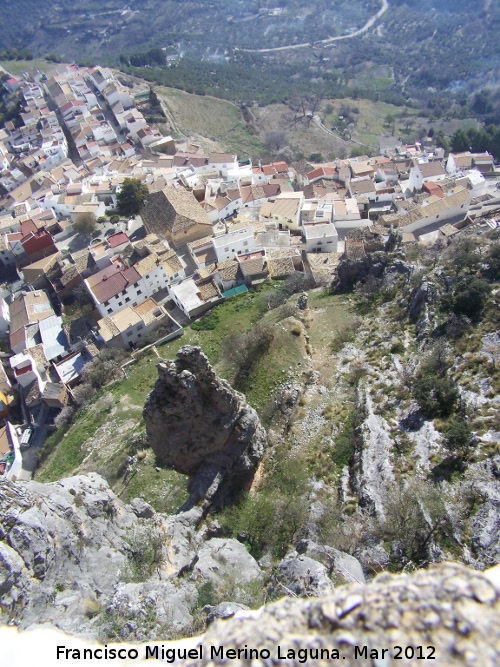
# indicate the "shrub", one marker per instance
pixel 492 270
pixel 146 551
pixel 436 396
pixel 64 417
pixel 343 335
pixel 414 514
pixel 207 323
pixel 458 434
pixel 83 393
pixel 469 297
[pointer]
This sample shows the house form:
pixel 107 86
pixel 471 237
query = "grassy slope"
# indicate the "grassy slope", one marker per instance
pixel 101 438
pixel 17 67
pixel 216 120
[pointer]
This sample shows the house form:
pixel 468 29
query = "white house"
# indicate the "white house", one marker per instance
pixel 237 241
pixel 222 163
pixel 320 237
pixel 284 210
pixel 195 297
pixel 433 213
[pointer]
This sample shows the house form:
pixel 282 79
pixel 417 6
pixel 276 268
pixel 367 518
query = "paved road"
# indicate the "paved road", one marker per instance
pixel 329 40
pixel 30 455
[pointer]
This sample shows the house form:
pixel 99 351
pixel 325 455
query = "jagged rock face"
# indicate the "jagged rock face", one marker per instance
pixel 485 524
pixel 301 575
pixel 67 558
pixel 377 265
pixel 195 418
pixel 451 612
pixel 373 473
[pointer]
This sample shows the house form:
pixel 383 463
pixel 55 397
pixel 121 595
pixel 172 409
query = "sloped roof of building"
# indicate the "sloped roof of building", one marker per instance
pixel 463 160
pixel 115 240
pixel 111 281
pixel 438 206
pixel 184 204
pixel 430 169
pixel 280 266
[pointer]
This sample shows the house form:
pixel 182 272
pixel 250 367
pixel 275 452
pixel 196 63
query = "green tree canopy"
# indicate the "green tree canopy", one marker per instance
pixel 85 224
pixel 131 197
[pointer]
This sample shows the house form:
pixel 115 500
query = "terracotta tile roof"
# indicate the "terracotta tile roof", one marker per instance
pixel 430 169
pixel 111 281
pixel 174 210
pixel 149 263
pixel 221 157
pixel 117 239
pixel 420 212
pixel 280 266
pixel 171 262
pixel 208 290
pixel 229 270
pixel 463 160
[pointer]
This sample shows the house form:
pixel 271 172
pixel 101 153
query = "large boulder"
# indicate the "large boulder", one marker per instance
pixel 301 575
pixel 198 424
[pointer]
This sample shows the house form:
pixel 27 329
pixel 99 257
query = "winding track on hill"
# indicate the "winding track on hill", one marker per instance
pixel 328 40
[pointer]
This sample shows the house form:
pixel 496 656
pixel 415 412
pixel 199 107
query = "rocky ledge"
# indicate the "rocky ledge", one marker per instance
pixel 447 614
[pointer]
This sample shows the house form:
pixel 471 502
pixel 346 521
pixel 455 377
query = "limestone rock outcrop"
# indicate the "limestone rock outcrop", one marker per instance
pixel 198 424
pixel 67 555
pixel 451 612
pixel 73 555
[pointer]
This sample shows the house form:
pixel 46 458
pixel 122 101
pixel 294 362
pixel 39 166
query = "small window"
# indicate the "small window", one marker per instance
pixel 129 333
pixel 136 284
pixel 139 291
pixel 245 242
pixel 140 326
pixel 110 310
pixel 106 303
pixel 127 299
pixel 120 303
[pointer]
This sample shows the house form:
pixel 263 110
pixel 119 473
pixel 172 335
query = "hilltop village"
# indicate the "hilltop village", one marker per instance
pixel 79 278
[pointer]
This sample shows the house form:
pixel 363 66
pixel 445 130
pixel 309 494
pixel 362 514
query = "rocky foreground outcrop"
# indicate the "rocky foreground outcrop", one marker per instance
pixel 445 616
pixel 197 423
pixel 73 555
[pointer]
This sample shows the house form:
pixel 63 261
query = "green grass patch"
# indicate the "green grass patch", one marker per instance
pixel 17 67
pixel 67 453
pixel 214 119
pixel 286 350
pixel 164 489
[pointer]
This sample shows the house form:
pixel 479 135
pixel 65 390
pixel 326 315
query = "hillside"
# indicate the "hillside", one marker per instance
pixel 384 62
pixel 378 402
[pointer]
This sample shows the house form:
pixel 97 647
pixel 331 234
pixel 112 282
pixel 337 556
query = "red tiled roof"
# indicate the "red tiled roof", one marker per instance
pixel 117 239
pixel 113 282
pixel 433 189
pixel 320 172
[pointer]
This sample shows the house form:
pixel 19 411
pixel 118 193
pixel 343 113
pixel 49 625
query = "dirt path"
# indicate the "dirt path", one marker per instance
pixel 328 40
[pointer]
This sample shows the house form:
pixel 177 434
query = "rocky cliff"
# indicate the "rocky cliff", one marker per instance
pixel 447 616
pixel 197 423
pixel 73 555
